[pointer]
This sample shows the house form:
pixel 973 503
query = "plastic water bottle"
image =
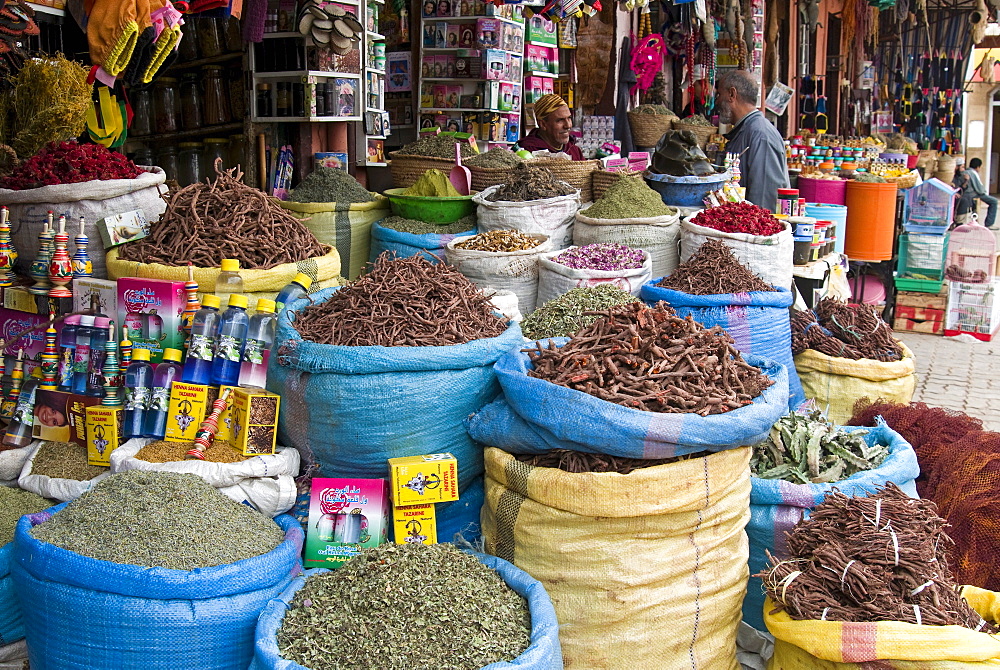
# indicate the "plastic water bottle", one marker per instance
pixel 296 289
pixel 229 350
pixel 138 388
pixel 81 357
pixel 67 340
pixel 229 280
pixel 95 369
pixel 167 372
pixel 201 344
pixel 19 430
pixel 257 349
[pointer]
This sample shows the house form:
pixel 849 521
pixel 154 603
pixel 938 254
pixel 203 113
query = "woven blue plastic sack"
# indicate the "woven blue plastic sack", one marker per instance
pixel 758 322
pixel 536 416
pixel 11 624
pixel 544 653
pixel 357 407
pixel 430 246
pixel 88 614
pixel 776 506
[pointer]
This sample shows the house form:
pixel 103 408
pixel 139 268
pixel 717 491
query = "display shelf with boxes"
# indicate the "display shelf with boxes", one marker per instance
pixel 376 126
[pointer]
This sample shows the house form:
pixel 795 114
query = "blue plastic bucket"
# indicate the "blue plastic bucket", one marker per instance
pixel 685 191
pixel 834 213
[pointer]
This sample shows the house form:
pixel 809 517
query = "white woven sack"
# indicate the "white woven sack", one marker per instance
pixel 284 462
pixel 63 490
pixel 505 302
pixel 270 496
pixel 767 256
pixel 656 235
pixel 515 271
pixel 12 462
pixel 13 655
pixel 552 217
pixel 554 278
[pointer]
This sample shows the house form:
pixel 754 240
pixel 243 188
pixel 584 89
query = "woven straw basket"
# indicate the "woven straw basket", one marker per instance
pixel 575 173
pixel 908 180
pixel 484 177
pixel 406 170
pixel 647 129
pixel 702 133
pixel 602 179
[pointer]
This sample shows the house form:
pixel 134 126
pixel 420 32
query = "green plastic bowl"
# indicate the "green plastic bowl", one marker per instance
pixel 430 209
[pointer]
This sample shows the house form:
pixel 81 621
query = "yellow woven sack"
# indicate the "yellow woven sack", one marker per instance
pixel 324 271
pixel 647 571
pixel 344 226
pixel 837 383
pixel 888 645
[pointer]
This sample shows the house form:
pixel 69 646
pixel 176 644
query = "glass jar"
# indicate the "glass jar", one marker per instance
pixel 216 96
pixel 298 100
pixel 143 156
pixel 320 97
pixel 234 39
pixel 190 102
pixel 189 163
pixel 265 101
pixel 187 48
pixel 283 99
pixel 165 106
pixel 166 158
pixel 142 110
pixel 237 150
pixel 215 147
pixel 208 38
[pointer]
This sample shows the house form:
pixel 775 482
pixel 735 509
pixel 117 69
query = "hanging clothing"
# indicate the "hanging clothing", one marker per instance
pixel 762 161
pixel 533 141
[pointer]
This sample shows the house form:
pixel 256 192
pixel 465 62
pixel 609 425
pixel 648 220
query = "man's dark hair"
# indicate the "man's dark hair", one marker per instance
pixel 975 163
pixel 746 85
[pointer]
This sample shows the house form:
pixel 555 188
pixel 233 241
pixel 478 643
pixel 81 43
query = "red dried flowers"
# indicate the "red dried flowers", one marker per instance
pixel 70 163
pixel 740 217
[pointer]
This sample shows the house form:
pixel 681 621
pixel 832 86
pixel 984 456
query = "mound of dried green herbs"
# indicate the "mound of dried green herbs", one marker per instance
pixel 563 316
pixel 415 227
pixel 436 146
pixel 495 158
pixel 15 503
pixel 64 460
pixel 327 184
pixel 406 606
pixel 628 199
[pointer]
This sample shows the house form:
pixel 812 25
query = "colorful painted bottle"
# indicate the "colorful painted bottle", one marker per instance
pixel 167 372
pixel 138 388
pixel 229 280
pixel 19 430
pixel 229 350
pixel 257 349
pixel 296 289
pixel 201 344
pixel 81 356
pixel 98 351
pixel 67 342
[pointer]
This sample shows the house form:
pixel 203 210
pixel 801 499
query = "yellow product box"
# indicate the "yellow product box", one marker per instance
pixel 225 432
pixel 254 419
pixel 431 478
pixel 104 431
pixel 188 407
pixel 415 524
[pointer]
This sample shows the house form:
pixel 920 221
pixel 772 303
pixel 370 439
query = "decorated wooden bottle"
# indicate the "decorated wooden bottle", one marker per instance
pixel 60 267
pixel 193 304
pixel 50 358
pixel 7 252
pixel 209 427
pixel 82 267
pixel 39 270
pixel 125 354
pixel 112 374
pixel 10 401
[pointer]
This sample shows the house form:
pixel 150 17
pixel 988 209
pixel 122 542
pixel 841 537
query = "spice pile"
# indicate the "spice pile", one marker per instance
pixel 579 461
pixel 660 110
pixel 70 163
pixel 740 217
pixel 880 558
pixel 433 183
pixel 64 460
pixel 436 146
pixel 405 302
pixel 628 199
pixel 869 178
pixel 494 158
pixel 167 452
pixel 530 182
pixel 714 270
pixel 327 184
pixel 160 519
pixel 844 330
pixel 499 240
pixel 15 503
pixel 415 227
pixel 601 256
pixel 406 606
pixel 807 449
pixel 649 359
pixel 225 218
pixel 697 120
pixel 573 310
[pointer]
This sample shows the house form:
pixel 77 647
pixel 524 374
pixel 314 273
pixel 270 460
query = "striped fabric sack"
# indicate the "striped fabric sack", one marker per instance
pixel 347 227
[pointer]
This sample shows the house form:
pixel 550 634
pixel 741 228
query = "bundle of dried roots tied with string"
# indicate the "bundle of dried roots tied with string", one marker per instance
pixel 845 330
pixel 405 302
pixel 224 218
pixel 880 558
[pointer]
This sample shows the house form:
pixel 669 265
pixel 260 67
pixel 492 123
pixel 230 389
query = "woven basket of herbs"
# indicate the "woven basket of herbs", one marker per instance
pixel 578 174
pixel 603 179
pixel 406 170
pixel 702 133
pixel 648 127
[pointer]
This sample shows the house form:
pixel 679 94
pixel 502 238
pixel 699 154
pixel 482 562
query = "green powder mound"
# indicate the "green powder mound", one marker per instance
pixel 563 316
pixel 433 184
pixel 658 110
pixel 494 158
pixel 868 178
pixel 697 120
pixel 15 503
pixel 330 185
pixel 628 198
pixel 160 519
pixel 463 225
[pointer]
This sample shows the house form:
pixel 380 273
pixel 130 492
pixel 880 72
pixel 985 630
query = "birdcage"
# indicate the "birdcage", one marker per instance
pixel 930 207
pixel 973 309
pixel 972 254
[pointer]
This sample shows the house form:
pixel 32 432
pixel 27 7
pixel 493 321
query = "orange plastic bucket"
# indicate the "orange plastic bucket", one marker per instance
pixel 871 219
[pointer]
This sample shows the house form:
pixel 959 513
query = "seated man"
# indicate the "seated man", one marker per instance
pixel 978 191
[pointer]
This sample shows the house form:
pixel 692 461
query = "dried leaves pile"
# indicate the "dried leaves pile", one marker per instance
pixel 880 558
pixel 844 330
pixel 714 270
pixel 528 182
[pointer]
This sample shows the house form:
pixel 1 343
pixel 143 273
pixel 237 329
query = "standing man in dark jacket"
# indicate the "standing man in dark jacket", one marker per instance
pixel 760 145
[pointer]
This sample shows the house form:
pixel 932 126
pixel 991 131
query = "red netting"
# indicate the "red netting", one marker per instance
pixel 960 471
